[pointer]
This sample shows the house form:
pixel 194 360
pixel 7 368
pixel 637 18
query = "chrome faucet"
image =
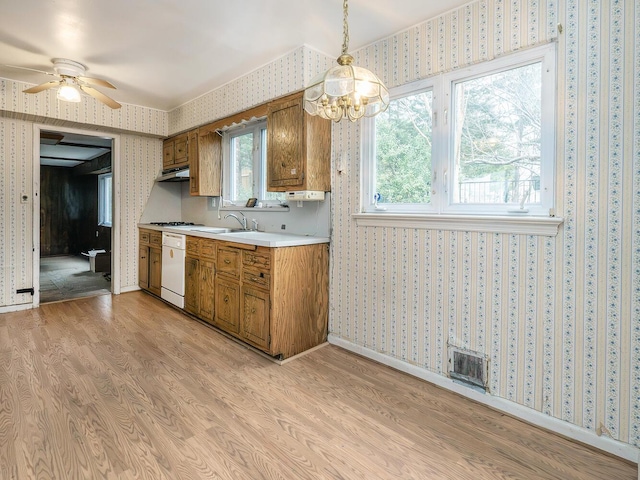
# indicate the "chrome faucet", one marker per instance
pixel 242 222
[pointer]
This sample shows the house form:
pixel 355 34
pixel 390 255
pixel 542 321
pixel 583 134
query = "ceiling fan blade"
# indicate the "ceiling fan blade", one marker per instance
pixel 41 87
pixel 96 81
pixel 100 96
pixel 32 70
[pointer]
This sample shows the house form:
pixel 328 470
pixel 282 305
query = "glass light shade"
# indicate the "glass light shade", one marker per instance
pixel 68 94
pixel 346 91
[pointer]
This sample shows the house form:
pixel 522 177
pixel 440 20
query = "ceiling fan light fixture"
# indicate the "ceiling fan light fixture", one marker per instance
pixel 68 93
pixel 72 81
pixel 346 91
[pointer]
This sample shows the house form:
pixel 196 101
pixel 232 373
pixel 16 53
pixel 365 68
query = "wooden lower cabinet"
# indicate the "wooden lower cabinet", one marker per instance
pixel 199 277
pixel 143 267
pixel 150 261
pixel 192 285
pixel 275 299
pixel 155 270
pixel 255 317
pixel 207 288
pixel 227 300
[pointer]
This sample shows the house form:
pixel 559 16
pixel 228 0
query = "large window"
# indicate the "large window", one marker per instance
pixel 476 140
pixel 245 152
pixel 105 199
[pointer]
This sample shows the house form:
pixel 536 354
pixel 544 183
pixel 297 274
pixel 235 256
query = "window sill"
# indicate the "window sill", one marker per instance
pixel 543 226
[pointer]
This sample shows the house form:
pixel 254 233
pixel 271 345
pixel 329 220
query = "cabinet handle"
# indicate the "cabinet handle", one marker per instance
pixel 255 279
pixel 283 164
pixel 227 261
pixel 253 310
pixel 226 299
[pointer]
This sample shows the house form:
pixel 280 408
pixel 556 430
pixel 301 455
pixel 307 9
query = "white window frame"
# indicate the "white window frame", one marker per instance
pixel 105 200
pixel 259 188
pixel 545 55
pixel 442 212
pixel 368 148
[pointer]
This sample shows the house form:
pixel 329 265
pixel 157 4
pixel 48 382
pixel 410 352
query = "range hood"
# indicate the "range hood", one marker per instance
pixel 175 176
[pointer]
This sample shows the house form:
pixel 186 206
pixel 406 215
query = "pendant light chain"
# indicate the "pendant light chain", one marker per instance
pixel 345 28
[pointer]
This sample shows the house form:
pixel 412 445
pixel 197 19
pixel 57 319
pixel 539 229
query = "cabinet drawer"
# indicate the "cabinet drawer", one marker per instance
pixel 257 259
pixel 155 238
pixel 207 248
pixel 144 236
pixel 256 278
pixel 193 246
pixel 228 261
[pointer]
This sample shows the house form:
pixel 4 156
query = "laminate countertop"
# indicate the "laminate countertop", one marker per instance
pixel 247 237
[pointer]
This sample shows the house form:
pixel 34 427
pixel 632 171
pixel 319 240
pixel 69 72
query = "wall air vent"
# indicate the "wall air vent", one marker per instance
pixel 468 367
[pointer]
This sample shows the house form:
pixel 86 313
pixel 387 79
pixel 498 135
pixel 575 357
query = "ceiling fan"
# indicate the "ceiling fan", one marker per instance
pixel 71 78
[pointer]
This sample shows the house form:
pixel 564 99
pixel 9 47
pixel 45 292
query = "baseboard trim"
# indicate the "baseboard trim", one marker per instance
pixel 133 288
pixel 566 429
pixel 16 308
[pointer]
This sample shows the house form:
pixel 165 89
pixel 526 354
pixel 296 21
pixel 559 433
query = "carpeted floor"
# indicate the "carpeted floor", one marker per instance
pixel 67 276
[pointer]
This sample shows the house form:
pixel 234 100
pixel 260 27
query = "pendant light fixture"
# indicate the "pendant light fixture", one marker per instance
pixel 346 91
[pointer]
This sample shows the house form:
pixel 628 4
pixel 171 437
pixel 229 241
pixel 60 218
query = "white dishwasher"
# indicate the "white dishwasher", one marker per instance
pixel 173 253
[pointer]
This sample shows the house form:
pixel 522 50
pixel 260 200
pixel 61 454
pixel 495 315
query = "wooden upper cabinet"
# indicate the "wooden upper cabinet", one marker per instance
pixel 298 148
pixel 169 154
pixel 192 154
pixel 175 152
pixel 205 158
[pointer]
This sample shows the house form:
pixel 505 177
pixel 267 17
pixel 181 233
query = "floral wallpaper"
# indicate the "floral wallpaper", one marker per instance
pixel 285 75
pixel 140 162
pixel 558 317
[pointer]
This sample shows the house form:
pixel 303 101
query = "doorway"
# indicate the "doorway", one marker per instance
pixel 75 215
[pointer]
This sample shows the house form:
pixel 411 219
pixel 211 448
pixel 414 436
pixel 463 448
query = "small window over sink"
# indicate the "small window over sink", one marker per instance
pixel 245 169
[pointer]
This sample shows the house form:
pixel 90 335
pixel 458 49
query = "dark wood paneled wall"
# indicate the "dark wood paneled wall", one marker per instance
pixel 69 213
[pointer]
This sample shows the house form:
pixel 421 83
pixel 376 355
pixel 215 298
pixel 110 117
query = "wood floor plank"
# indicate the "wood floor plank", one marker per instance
pixel 126 387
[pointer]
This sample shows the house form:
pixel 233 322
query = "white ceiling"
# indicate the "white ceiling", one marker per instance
pixel 59 149
pixel 163 53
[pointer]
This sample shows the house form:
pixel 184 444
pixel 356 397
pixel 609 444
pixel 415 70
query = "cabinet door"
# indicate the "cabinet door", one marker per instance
pixel 181 159
pixel 255 317
pixel 227 302
pixel 206 290
pixel 209 165
pixel 168 158
pixel 192 285
pixel 155 270
pixel 285 152
pixel 143 267
pixel 192 153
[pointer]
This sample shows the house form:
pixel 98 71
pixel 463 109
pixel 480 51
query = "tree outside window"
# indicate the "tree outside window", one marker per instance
pixel 475 140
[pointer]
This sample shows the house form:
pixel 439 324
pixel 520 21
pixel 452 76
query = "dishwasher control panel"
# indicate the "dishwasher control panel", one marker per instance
pixel 174 240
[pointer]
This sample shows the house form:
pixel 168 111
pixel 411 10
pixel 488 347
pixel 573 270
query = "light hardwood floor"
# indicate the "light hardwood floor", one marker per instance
pixel 127 387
